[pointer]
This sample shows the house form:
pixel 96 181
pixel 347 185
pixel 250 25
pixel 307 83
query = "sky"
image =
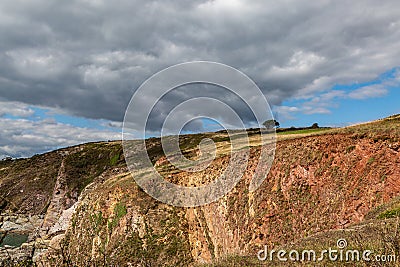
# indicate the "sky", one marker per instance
pixel 69 68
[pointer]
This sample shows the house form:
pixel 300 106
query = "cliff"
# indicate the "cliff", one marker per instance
pixel 80 206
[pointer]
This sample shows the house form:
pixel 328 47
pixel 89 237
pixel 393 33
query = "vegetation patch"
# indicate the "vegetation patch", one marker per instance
pixel 114 159
pixel 119 212
pixel 392 213
pixel 305 131
pixel 371 160
pixel 350 148
pixel 92 160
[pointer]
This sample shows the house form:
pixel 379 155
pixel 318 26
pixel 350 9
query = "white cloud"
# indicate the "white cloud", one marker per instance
pixel 371 91
pixel 324 102
pixel 23 138
pixel 28 134
pixel 15 109
pixel 301 63
pixel 315 110
pixel 377 90
pixel 286 112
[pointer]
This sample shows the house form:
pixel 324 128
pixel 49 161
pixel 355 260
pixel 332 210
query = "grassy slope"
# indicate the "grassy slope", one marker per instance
pixel 305 131
pixel 26 185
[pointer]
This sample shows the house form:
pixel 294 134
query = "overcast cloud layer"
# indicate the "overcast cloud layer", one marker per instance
pixel 87 57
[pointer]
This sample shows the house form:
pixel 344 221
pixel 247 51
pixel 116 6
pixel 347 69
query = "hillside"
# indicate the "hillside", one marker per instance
pixel 79 206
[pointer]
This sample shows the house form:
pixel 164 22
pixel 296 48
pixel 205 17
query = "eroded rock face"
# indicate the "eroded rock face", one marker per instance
pixel 40 227
pixel 11 256
pixel 20 223
pixel 39 196
pixel 59 200
pixel 316 183
pixel 61 225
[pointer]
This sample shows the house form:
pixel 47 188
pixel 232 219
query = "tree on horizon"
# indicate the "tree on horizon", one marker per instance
pixel 270 124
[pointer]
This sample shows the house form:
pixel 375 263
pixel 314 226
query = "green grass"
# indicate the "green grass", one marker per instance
pixel 119 212
pixel 390 214
pixel 98 220
pixel 88 163
pixel 305 131
pixel 114 159
pixel 350 148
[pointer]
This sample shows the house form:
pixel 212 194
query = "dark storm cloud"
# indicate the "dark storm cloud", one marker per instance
pixel 87 57
pixel 207 106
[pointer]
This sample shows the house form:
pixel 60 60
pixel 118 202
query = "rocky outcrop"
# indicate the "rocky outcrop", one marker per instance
pixel 48 181
pixel 18 235
pixel 12 256
pixel 61 207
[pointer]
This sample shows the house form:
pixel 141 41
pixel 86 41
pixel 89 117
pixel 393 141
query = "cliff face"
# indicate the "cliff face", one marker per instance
pixel 38 196
pixel 321 182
